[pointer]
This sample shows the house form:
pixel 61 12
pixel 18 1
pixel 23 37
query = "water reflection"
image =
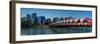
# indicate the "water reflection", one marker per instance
pixel 66 30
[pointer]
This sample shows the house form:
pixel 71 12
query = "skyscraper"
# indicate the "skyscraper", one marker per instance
pixel 61 19
pixel 28 17
pixel 41 19
pixel 34 18
pixel 67 18
pixel 27 23
pixel 55 19
pixel 47 21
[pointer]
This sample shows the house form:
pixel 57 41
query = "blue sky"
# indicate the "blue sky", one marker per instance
pixel 50 13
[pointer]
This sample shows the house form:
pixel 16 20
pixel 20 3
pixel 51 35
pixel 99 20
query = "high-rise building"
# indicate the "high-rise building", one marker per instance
pixel 55 19
pixel 28 17
pixel 41 19
pixel 67 18
pixel 47 21
pixel 61 19
pixel 34 18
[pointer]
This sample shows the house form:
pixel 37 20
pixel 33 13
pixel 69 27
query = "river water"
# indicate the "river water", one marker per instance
pixel 67 30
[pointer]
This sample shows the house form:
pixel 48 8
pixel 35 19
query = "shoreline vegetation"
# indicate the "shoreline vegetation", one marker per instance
pixel 32 20
pixel 35 25
pixel 35 21
pixel 29 24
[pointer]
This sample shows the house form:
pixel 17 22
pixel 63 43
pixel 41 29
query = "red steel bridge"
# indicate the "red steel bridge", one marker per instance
pixel 70 24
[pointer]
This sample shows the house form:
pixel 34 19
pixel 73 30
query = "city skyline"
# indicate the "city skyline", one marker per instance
pixel 51 13
pixel 50 21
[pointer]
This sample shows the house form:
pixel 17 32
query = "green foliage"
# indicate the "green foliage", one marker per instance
pixel 26 23
pixel 35 25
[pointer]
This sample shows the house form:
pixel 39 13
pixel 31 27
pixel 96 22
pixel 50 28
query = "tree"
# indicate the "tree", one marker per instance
pixel 26 23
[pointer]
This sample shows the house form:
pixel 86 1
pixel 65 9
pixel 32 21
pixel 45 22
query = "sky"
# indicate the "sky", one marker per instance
pixel 51 13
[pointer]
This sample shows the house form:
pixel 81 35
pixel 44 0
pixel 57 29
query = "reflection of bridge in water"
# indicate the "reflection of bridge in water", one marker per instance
pixel 70 24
